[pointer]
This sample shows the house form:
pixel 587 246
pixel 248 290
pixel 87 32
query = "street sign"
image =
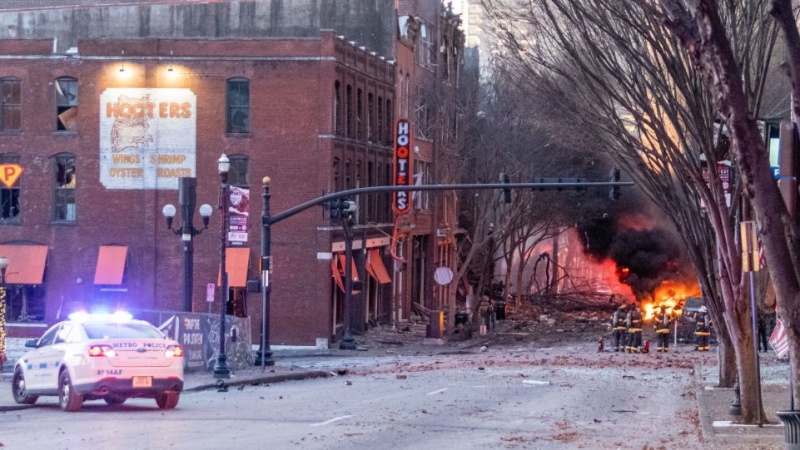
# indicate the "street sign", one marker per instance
pixel 210 288
pixel 9 174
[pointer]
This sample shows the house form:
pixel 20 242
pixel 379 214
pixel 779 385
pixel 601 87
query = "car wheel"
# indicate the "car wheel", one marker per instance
pixel 114 400
pixel 68 399
pixel 20 391
pixel 168 400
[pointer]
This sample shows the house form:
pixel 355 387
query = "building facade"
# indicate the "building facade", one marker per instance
pixel 104 129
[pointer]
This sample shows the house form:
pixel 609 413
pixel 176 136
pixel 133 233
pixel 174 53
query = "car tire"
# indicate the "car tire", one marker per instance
pixel 114 400
pixel 19 390
pixel 68 399
pixel 168 400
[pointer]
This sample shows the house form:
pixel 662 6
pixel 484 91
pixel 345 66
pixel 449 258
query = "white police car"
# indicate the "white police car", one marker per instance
pixel 109 357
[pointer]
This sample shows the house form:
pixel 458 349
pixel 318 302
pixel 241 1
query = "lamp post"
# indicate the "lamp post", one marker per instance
pixel 265 354
pixel 3 267
pixel 187 231
pixel 221 369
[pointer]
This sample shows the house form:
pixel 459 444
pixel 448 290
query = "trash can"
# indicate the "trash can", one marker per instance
pixel 500 310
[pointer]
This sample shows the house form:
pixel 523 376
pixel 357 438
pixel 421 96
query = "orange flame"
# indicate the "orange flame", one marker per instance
pixel 671 294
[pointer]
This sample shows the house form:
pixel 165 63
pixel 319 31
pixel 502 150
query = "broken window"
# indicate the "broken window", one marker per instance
pixel 237 175
pixel 10 104
pixel 238 106
pixel 9 196
pixel 66 104
pixel 64 192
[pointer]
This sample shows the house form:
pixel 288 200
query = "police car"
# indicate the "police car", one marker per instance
pixel 91 357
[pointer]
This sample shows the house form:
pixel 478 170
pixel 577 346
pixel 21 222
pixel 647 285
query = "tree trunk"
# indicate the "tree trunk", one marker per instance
pixel 727 357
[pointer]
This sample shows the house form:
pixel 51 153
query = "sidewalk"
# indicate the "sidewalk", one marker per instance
pixel 719 426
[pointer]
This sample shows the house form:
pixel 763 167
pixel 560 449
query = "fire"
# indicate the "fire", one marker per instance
pixel 671 294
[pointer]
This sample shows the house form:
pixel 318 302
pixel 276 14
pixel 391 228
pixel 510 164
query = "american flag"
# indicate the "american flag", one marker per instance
pixel 762 259
pixel 778 341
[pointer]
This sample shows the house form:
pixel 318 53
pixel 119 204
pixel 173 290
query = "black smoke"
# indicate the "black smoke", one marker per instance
pixel 644 258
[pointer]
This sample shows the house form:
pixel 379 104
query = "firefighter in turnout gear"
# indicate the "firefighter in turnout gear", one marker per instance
pixel 619 324
pixel 634 323
pixel 663 323
pixel 702 330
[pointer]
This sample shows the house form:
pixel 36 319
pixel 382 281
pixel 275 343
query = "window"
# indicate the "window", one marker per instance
pixel 238 106
pixel 426 51
pixel 380 137
pixel 389 122
pixel 337 105
pixel 9 197
pixel 359 114
pixel 237 175
pixel 64 192
pixel 10 104
pixel 422 176
pixel 66 104
pixel 370 125
pixel 349 110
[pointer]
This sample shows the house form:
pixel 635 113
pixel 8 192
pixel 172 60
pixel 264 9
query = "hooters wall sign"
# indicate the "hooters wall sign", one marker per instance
pixel 402 166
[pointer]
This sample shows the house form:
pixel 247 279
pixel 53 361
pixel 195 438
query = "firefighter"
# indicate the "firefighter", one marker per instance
pixel 634 323
pixel 663 323
pixel 702 329
pixel 618 328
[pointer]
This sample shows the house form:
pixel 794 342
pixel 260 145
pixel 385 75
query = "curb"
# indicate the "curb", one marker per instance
pixel 260 379
pixel 707 427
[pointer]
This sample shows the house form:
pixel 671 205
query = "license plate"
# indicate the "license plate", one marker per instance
pixel 142 382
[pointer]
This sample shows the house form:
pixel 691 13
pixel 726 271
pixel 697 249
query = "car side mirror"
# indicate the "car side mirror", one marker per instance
pixel 33 343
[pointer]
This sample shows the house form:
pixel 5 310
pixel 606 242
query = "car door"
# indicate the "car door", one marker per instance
pixel 37 369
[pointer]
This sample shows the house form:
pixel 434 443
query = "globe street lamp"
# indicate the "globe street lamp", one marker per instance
pixel 221 369
pixel 3 267
pixel 187 231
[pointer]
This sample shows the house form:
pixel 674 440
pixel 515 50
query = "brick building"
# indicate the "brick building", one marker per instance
pixel 105 127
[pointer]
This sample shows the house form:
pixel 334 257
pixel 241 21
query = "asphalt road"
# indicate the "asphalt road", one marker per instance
pixel 487 400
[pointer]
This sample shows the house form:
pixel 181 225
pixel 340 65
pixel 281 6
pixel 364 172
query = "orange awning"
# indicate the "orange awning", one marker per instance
pixel 379 271
pixel 342 265
pixel 337 275
pixel 25 263
pixel 237 260
pixel 110 267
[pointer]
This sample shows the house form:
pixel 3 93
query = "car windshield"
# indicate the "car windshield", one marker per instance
pixel 127 330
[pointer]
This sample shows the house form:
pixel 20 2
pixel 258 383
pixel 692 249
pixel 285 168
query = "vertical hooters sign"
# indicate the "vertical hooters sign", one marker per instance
pixel 402 166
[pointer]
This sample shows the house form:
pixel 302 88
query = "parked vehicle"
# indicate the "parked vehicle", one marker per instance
pixel 686 323
pixel 109 357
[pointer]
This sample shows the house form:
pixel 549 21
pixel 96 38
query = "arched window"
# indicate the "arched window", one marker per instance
pixel 237 106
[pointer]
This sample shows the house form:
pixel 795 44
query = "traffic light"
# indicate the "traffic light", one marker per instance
pixel 556 181
pixel 341 208
pixel 613 191
pixel 505 179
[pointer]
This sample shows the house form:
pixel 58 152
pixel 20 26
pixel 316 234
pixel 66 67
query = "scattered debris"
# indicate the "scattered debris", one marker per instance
pixel 400 376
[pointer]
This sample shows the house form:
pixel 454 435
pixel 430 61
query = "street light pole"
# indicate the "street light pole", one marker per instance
pixel 187 231
pixel 348 341
pixel 221 369
pixel 265 353
pixel 3 267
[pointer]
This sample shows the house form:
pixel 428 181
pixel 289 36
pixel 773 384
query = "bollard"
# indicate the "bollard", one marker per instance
pixel 736 403
pixel 791 422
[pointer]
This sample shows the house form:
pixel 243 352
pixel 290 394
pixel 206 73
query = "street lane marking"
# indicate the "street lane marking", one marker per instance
pixel 335 419
pixel 437 391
